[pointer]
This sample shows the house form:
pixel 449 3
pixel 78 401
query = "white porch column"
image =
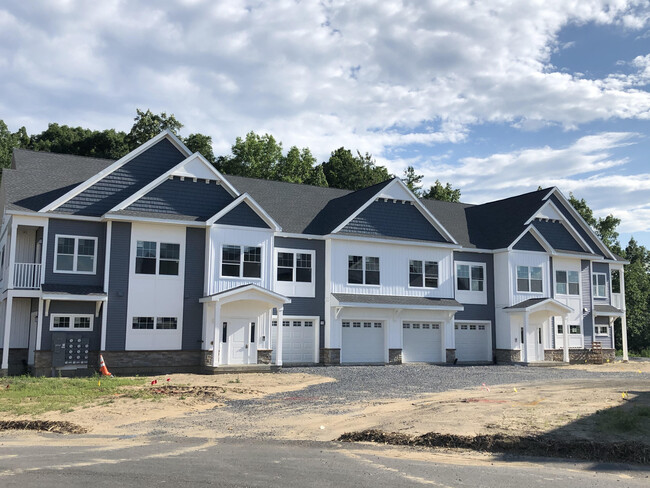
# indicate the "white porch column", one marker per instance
pixel 624 336
pixel 216 341
pixel 565 338
pixel 524 345
pixel 278 345
pixel 12 254
pixel 7 333
pixel 268 344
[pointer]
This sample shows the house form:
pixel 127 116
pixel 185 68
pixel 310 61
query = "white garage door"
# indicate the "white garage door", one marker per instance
pixel 421 342
pixel 472 342
pixel 298 338
pixel 363 342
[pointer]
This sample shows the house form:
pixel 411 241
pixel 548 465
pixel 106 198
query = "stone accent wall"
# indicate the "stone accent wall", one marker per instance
pixel 330 356
pixel 507 356
pixel 152 362
pixel 394 356
pixel 206 358
pixel 264 356
pixel 450 356
pixel 580 355
pixel 17 362
pixel 42 364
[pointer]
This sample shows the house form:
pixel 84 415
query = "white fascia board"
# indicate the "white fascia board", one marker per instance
pixel 132 218
pixel 257 208
pixel 612 261
pixel 343 237
pixel 540 238
pixel 590 257
pixel 55 215
pixel 552 301
pixel 294 235
pixel 476 250
pixel 582 222
pixel 116 165
pixel 76 298
pixel 391 305
pixel 243 289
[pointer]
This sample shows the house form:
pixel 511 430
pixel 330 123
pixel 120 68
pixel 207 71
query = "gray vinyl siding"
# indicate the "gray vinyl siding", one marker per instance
pixel 244 216
pixel 313 307
pixel 118 286
pixel 603 268
pixel 388 219
pixel 189 198
pixel 606 341
pixel 587 318
pixel 193 288
pixel 528 243
pixel 63 307
pixel 82 229
pixel 123 182
pixel 557 236
pixel 474 311
pixel 584 234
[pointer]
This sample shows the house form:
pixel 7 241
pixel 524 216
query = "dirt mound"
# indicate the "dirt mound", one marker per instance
pixel 56 426
pixel 627 452
pixel 207 392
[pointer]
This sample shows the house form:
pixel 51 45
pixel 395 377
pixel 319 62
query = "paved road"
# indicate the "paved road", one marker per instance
pixel 96 462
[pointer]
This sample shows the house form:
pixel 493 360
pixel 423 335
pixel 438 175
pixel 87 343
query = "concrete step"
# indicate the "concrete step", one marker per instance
pixel 242 368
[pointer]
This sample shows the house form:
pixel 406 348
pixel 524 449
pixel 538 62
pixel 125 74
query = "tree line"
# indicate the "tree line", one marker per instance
pixel 262 156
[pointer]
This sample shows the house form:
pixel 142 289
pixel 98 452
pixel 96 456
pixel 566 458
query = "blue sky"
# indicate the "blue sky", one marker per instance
pixel 496 97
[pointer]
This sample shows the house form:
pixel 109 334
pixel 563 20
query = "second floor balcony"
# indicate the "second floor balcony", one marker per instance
pixel 27 276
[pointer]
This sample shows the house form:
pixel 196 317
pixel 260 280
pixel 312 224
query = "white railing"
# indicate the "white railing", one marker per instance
pixel 27 275
pixel 617 301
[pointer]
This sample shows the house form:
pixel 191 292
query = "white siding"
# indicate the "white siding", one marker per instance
pixel 25 245
pixel 393 266
pixel 573 301
pixel 502 299
pixel 522 258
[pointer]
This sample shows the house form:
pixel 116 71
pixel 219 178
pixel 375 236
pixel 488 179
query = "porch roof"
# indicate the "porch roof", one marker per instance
pixel 394 301
pixel 607 311
pixel 246 291
pixel 73 292
pixel 535 304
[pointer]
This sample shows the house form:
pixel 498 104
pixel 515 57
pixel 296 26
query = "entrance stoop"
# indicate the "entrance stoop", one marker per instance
pixel 546 364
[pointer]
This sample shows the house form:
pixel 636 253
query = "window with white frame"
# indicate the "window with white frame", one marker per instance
pixel 567 282
pixel 157 323
pixel 295 266
pixel 529 279
pixel 470 277
pixel 241 261
pixel 423 274
pixel 575 329
pixel 602 330
pixel 75 254
pixel 71 322
pixel 152 257
pixel 363 270
pixel 599 281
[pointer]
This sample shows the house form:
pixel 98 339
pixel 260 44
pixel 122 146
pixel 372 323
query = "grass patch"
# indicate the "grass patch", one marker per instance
pixel 621 421
pixel 27 395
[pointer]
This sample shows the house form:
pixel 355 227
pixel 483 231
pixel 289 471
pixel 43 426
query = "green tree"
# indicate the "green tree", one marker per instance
pixel 446 193
pixel 255 156
pixel 605 227
pixel 148 125
pixel 79 141
pixel 296 166
pixel 413 181
pixel 637 296
pixel 202 144
pixel 7 144
pixel 317 176
pixel 344 170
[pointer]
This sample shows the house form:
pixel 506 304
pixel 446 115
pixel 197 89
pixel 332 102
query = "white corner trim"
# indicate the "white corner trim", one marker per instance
pixel 116 165
pixel 257 208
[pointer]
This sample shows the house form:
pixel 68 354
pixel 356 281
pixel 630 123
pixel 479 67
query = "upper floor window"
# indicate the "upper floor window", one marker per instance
pixel 363 271
pixel 599 281
pixel 567 283
pixel 529 279
pixel 75 254
pixel 470 277
pixel 295 266
pixel 423 274
pixel 148 258
pixel 241 261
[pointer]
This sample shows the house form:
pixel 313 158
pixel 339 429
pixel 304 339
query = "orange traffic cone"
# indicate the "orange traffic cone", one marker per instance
pixel 102 367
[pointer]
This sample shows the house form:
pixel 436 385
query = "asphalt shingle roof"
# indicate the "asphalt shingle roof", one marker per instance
pixel 396 300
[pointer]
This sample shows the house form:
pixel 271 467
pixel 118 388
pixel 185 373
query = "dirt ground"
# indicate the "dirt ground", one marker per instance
pixel 531 408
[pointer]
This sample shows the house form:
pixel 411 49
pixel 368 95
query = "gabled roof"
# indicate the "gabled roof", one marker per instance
pixel 533 304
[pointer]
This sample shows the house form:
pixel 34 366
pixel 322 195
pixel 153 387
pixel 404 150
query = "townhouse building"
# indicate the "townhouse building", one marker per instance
pixel 160 263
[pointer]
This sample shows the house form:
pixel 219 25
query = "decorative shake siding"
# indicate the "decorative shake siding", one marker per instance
pixel 557 236
pixel 194 271
pixel 118 286
pixel 574 223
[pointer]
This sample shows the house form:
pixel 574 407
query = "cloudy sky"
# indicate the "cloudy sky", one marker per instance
pixel 494 98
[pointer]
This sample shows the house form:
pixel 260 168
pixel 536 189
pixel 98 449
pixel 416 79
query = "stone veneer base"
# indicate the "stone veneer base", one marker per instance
pixel 330 356
pixel 450 356
pixel 580 355
pixel 264 356
pixel 394 356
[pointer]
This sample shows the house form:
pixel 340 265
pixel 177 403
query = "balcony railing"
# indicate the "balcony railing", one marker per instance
pixel 27 276
pixel 618 301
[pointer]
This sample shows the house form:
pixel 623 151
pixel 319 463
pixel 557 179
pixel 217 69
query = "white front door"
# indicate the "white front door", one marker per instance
pixel 238 342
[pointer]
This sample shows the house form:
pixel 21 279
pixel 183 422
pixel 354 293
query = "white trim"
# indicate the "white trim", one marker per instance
pixel 72 316
pixel 308 237
pixel 116 165
pixel 531 308
pixel 256 207
pixel 75 255
pixel 152 220
pixel 70 297
pixel 241 263
pixel 423 274
pixel 396 306
pixel 54 215
pixel 404 242
pixel 251 286
pixel 165 176
pixel 302 318
pixel 594 274
pixel 294 252
pixel 470 264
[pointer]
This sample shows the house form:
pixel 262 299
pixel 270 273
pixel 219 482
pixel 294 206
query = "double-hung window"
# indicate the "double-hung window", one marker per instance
pixel 567 283
pixel 470 277
pixel 423 274
pixel 295 266
pixel 152 257
pixel 363 270
pixel 75 254
pixel 599 281
pixel 241 261
pixel 71 322
pixel 529 279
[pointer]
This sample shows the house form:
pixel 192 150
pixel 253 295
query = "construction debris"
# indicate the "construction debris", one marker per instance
pixel 55 426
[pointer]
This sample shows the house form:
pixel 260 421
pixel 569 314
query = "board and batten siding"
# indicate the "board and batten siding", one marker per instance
pixel 118 286
pixel 194 271
pixel 20 321
pixel 82 229
pixel 529 259
pixel 393 268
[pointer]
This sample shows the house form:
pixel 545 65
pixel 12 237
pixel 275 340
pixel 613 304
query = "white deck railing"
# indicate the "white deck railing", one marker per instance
pixel 27 275
pixel 617 301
